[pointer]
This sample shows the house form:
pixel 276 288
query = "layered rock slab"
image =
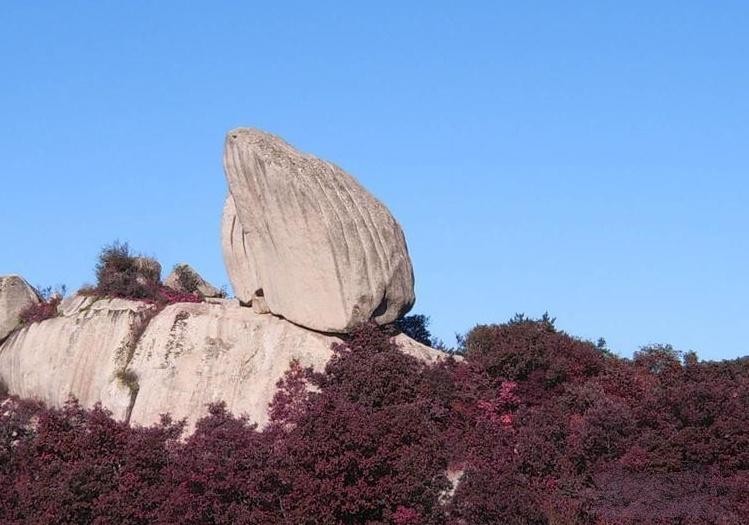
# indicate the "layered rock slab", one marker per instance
pixel 15 296
pixel 76 354
pixel 193 354
pixel 140 364
pixel 326 254
pixel 184 278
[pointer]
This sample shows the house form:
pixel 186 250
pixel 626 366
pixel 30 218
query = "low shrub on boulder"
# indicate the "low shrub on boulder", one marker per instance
pixel 41 311
pixel 46 308
pixel 120 273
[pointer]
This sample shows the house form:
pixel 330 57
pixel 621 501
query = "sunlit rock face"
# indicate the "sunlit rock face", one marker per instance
pixel 307 237
pixel 77 354
pixel 192 354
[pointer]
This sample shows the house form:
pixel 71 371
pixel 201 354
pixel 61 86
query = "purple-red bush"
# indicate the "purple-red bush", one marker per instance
pixel 166 295
pixel 40 311
pixel 539 428
pixel 369 445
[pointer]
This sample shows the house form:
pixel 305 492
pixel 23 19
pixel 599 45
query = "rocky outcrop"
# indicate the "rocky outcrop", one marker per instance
pixel 326 254
pixel 185 279
pixel 141 363
pixel 15 296
pixel 80 353
pixel 301 240
pixel 194 354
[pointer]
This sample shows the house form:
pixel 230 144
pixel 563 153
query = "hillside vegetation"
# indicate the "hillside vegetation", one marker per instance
pixel 532 426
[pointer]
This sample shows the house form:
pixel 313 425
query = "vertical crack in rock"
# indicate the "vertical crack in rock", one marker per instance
pixel 125 353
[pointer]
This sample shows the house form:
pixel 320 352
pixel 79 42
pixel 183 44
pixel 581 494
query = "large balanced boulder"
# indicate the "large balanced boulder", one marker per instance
pixel 321 250
pixel 15 296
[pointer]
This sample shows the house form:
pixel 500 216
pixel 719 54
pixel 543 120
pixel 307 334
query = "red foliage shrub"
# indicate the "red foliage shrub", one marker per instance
pixel 223 474
pixel 369 446
pixel 589 427
pixel 41 311
pixel 544 428
pixel 166 295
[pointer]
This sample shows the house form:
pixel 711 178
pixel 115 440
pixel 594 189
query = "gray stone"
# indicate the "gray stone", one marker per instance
pixel 193 354
pixel 326 254
pixel 259 306
pixel 77 354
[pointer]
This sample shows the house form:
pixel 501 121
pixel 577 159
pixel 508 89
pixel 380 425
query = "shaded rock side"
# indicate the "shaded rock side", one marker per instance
pixel 77 354
pixel 326 253
pixel 15 296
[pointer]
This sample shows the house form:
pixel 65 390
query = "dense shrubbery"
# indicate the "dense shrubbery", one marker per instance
pixel 120 273
pixel 539 427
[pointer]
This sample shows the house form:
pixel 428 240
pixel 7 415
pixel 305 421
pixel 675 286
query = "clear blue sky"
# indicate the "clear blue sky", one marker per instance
pixel 586 158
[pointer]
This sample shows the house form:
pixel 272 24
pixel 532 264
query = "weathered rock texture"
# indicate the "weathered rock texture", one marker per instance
pixel 140 364
pixel 194 354
pixel 184 278
pixel 326 254
pixel 15 295
pixel 240 265
pixel 79 353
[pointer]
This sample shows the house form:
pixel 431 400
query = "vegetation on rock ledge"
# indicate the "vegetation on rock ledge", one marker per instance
pixel 120 273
